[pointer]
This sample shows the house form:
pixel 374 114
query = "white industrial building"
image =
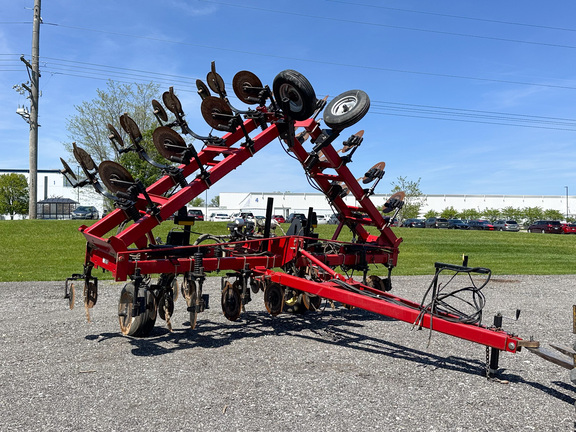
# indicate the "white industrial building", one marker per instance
pixel 286 202
pixel 52 184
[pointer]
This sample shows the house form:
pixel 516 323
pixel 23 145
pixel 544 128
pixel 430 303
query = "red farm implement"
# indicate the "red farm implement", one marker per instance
pixel 295 271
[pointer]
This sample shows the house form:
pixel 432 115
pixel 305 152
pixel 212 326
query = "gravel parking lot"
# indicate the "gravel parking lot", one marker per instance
pixel 335 370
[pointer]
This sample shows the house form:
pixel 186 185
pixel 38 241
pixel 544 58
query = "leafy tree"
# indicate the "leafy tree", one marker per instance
pixel 491 214
pixel 470 214
pixel 530 214
pixel 430 214
pixel 215 202
pixel 197 202
pixel 88 128
pixel 414 197
pixel 449 213
pixel 511 213
pixel 14 196
pixel 553 215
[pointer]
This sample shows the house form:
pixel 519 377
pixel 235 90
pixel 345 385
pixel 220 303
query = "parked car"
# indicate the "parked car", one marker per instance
pixel 457 224
pixel 569 228
pixel 242 215
pixel 333 220
pixel 84 212
pixel 413 223
pixel 506 225
pixel 435 222
pixel 218 217
pixel 321 219
pixel 279 218
pixel 196 214
pixel 300 216
pixel 480 225
pixel 550 227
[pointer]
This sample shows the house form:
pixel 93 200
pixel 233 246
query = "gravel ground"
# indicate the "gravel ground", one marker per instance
pixel 335 370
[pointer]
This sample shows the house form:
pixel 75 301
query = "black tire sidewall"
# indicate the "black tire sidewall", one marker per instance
pixel 301 86
pixel 354 115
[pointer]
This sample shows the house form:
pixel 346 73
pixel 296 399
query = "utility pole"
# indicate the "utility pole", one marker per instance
pixel 34 92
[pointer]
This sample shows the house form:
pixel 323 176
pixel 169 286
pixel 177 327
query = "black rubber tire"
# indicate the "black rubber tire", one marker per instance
pixel 295 87
pixel 346 109
pixel 142 324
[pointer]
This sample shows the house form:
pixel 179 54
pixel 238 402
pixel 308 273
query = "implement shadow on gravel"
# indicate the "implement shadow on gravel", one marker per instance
pixel 333 327
pixel 339 327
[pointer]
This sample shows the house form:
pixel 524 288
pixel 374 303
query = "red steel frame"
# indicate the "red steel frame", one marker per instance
pixel 133 249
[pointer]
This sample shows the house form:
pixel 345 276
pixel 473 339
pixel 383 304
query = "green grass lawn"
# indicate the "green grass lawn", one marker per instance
pixel 41 250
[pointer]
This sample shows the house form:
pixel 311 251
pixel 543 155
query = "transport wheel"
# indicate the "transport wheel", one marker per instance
pixel 295 94
pixel 274 298
pixel 346 109
pixel 231 302
pixel 136 325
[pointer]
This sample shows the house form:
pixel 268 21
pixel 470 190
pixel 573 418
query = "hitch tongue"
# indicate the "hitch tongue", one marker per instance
pixel 566 359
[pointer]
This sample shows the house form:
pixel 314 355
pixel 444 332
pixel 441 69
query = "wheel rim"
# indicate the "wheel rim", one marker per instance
pixel 295 101
pixel 344 105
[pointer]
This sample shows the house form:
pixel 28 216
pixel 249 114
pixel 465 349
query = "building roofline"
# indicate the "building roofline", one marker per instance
pixel 27 171
pixel 423 195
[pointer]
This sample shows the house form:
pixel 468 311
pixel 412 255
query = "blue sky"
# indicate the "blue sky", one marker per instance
pixel 470 97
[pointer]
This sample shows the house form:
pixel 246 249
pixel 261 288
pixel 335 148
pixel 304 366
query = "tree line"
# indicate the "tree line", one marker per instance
pixel 415 200
pixel 526 215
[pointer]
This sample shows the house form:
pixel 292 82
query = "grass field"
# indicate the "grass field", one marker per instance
pixel 41 250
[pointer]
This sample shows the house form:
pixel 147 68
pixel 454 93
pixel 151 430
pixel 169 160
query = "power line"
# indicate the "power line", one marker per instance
pixel 184 83
pixel 473 121
pixel 349 21
pixel 384 104
pixel 357 66
pixel 457 16
pixel 104 67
